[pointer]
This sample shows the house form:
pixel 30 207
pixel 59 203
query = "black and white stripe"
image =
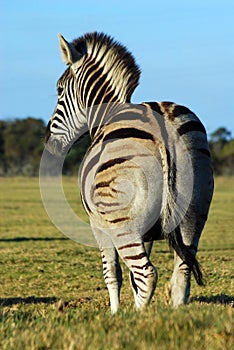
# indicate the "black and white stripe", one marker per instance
pixel 134 176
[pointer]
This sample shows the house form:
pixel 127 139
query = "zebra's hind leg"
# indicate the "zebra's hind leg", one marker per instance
pixel 185 248
pixel 148 247
pixel 178 290
pixel 142 273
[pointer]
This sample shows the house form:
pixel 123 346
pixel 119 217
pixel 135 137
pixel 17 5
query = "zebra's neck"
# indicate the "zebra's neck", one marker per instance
pixel 100 115
pixel 108 72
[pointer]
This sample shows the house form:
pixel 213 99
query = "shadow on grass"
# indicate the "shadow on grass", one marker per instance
pixel 61 304
pixel 214 299
pixel 27 300
pixel 25 239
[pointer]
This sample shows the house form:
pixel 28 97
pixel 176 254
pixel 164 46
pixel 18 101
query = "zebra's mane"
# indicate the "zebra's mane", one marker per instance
pixel 115 59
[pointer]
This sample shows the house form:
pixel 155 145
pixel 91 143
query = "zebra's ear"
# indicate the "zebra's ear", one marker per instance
pixel 68 52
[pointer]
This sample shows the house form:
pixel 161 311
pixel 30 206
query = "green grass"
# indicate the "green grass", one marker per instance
pixel 52 293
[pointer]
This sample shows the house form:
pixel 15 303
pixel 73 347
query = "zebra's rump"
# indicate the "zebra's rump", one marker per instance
pixel 139 171
pixel 123 187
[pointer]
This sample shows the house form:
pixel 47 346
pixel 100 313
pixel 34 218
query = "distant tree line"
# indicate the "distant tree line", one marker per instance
pixel 22 144
pixel 221 145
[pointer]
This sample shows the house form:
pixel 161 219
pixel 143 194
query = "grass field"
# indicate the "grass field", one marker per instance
pixel 52 293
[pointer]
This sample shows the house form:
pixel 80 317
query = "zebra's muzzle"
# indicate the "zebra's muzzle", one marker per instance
pixel 55 147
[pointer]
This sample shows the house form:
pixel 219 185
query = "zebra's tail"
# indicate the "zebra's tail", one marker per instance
pixel 184 252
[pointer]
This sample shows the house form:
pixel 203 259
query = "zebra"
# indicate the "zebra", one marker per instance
pixel 147 174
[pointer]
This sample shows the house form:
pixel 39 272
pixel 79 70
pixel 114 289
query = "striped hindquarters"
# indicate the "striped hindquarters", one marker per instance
pixel 185 123
pixel 186 162
pixel 146 166
pixel 118 176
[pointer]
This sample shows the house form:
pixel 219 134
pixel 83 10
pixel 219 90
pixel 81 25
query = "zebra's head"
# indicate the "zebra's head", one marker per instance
pixel 100 71
pixel 67 123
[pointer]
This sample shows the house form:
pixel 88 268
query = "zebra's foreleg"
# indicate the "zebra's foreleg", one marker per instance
pixel 142 273
pixel 112 275
pixel 111 268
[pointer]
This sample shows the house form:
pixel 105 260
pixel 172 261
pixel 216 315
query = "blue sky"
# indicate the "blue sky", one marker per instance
pixel 185 50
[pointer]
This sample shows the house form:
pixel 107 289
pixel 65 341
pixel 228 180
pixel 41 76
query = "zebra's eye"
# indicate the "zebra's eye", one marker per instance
pixel 59 90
